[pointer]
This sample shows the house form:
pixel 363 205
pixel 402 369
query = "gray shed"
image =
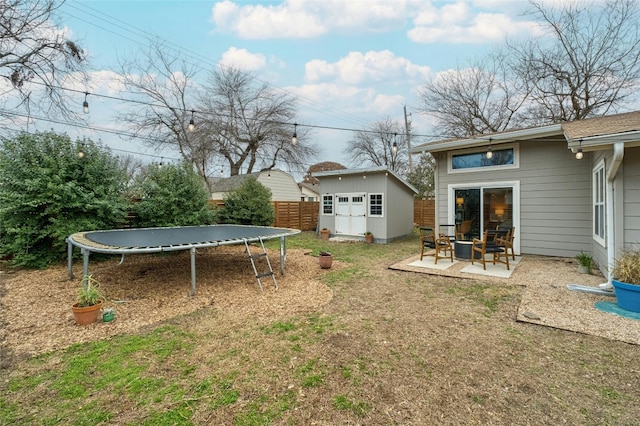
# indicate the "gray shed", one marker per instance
pixel 355 201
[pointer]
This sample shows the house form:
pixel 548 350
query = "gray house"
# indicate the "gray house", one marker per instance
pixel 355 201
pixel 564 187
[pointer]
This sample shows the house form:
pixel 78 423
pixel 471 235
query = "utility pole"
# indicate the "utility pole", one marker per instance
pixel 408 135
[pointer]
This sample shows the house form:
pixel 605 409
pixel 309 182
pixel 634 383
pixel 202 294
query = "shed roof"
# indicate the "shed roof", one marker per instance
pixel 370 170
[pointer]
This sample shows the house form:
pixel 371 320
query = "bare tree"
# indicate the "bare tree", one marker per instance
pixel 35 54
pixel 383 144
pixel 164 83
pixel 422 176
pixel 253 124
pixel 593 64
pixel 479 99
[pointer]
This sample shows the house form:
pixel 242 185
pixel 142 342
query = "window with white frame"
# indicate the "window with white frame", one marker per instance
pixel 375 205
pixel 504 156
pixel 599 203
pixel 327 204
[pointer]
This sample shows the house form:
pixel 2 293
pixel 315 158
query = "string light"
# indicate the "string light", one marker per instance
pixel 85 104
pixel 81 150
pixel 294 139
pixel 394 148
pixel 192 124
pixel 579 154
pixel 489 152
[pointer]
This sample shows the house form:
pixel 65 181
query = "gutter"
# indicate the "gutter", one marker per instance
pixel 618 155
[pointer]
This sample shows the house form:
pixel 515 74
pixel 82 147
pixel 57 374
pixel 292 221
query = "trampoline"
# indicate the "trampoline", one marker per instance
pixel 155 240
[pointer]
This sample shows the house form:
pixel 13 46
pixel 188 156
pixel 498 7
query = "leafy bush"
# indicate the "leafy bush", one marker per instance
pixel 48 192
pixel 250 204
pixel 171 195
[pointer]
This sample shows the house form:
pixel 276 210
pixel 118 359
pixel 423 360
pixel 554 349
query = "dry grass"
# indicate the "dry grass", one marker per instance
pixel 359 344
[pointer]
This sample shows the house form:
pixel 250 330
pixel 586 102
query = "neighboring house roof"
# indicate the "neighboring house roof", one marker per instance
pixel 309 186
pixel 231 183
pixel 625 126
pixel 360 172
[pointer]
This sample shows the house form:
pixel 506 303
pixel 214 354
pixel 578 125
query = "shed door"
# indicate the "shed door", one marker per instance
pixel 351 214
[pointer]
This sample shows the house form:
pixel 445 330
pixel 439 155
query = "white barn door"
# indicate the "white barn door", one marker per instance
pixel 351 212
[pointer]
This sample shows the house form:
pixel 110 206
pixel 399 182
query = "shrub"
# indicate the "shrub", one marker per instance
pixel 250 204
pixel 171 195
pixel 48 192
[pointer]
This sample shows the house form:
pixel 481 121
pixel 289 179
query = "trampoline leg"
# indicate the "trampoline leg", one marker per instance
pixel 193 271
pixel 283 254
pixel 85 262
pixel 70 259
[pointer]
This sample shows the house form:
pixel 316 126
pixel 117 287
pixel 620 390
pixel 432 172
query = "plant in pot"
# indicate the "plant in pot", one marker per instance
pixel 325 259
pixel 368 237
pixel 324 233
pixel 626 280
pixel 585 262
pixel 88 302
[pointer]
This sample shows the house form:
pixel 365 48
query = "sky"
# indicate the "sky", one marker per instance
pixel 349 62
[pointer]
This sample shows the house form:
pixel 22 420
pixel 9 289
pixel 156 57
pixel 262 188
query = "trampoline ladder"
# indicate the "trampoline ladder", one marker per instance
pixel 253 258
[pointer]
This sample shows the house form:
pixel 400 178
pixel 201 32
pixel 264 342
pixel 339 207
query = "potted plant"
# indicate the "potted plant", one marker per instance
pixel 88 302
pixel 585 262
pixel 368 237
pixel 324 233
pixel 626 280
pixel 325 259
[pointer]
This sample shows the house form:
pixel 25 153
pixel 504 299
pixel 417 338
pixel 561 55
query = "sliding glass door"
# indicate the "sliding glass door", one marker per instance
pixel 480 208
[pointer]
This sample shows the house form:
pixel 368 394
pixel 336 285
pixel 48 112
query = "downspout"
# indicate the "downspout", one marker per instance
pixel 436 222
pixel 618 155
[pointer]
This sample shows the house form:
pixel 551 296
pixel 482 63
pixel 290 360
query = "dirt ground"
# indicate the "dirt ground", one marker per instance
pixel 412 348
pixel 36 305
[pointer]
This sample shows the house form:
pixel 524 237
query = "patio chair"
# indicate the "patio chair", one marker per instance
pixel 485 246
pixel 463 229
pixel 507 242
pixel 429 240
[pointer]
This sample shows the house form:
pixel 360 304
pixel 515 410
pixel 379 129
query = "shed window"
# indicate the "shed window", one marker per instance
pixel 327 204
pixel 375 205
pixel 599 203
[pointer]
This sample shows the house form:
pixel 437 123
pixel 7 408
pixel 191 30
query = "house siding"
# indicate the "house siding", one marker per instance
pixel 555 197
pixel 283 187
pixel 631 198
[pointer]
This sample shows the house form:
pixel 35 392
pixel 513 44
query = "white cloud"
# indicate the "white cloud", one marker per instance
pixel 373 66
pixel 459 23
pixel 243 59
pixel 307 19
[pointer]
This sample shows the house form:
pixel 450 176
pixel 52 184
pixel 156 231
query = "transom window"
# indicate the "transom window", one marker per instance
pixel 503 156
pixel 375 205
pixel 327 204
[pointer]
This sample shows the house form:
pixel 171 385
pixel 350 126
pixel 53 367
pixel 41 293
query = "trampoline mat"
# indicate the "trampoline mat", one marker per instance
pixel 186 235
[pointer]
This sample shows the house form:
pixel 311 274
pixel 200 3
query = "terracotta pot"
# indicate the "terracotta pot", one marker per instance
pixel 324 234
pixel 368 238
pixel 87 314
pixel 325 261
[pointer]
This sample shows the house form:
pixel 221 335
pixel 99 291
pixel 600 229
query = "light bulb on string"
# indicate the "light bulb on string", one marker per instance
pixel 579 154
pixel 85 104
pixel 489 152
pixel 394 148
pixel 294 138
pixel 192 123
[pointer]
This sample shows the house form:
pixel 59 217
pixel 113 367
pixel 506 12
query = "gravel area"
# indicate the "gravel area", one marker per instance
pixel 546 299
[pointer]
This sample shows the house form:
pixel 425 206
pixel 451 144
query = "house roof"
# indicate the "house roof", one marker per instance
pixel 623 127
pixel 231 183
pixel 370 170
pixel 310 186
pixel 601 126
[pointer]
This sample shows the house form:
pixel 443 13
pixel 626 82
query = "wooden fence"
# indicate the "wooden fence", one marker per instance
pixel 424 212
pixel 303 215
